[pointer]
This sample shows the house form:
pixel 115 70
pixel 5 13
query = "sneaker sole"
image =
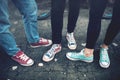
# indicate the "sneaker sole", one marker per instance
pixel 104 66
pixel 78 59
pixel 72 48
pixel 51 58
pixel 27 64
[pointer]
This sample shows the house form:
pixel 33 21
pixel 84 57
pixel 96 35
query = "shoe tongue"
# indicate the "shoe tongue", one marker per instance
pixel 18 53
pixel 105 48
pixel 55 45
pixel 72 43
pixel 71 33
pixel 82 52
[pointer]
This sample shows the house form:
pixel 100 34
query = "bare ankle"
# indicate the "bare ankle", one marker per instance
pixel 88 52
pixel 104 46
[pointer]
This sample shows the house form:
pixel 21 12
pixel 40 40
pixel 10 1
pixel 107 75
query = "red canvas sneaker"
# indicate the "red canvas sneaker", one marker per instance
pixel 22 59
pixel 42 42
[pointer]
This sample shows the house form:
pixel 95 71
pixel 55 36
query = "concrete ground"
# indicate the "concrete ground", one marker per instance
pixel 60 68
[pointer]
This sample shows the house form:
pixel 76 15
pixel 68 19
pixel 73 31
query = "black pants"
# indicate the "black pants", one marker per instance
pixel 97 8
pixel 57 11
pixel 114 26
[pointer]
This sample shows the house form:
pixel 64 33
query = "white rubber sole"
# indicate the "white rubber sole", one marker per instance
pixel 72 48
pixel 104 66
pixel 27 64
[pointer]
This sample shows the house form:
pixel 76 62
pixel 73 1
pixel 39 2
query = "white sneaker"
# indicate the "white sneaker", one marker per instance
pixel 49 55
pixel 71 41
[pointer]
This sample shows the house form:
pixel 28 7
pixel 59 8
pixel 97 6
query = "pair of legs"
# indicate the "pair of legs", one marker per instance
pixel 28 9
pixel 57 12
pixel 95 24
pixel 96 11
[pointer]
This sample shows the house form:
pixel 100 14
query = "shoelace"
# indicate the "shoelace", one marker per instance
pixel 104 56
pixel 23 57
pixel 79 53
pixel 51 51
pixel 71 38
pixel 43 40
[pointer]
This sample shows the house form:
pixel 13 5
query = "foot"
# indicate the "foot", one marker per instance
pixel 71 41
pixel 104 58
pixel 75 56
pixel 49 55
pixel 22 59
pixel 42 42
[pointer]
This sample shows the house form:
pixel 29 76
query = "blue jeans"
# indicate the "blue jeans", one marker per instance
pixel 28 9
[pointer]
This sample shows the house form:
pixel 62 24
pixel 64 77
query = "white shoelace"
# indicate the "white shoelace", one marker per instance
pixel 23 57
pixel 52 50
pixel 104 55
pixel 71 38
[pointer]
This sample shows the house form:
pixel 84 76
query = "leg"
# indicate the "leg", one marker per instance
pixel 97 8
pixel 57 20
pixel 28 9
pixel 112 31
pixel 74 6
pixel 57 25
pixel 114 26
pixel 96 11
pixel 7 40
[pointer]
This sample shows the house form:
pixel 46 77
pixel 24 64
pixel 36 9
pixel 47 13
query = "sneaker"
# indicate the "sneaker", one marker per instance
pixel 22 59
pixel 49 55
pixel 75 56
pixel 104 58
pixel 71 41
pixel 42 42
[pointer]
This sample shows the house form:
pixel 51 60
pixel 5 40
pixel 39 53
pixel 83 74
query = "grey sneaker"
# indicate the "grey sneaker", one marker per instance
pixel 71 41
pixel 49 55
